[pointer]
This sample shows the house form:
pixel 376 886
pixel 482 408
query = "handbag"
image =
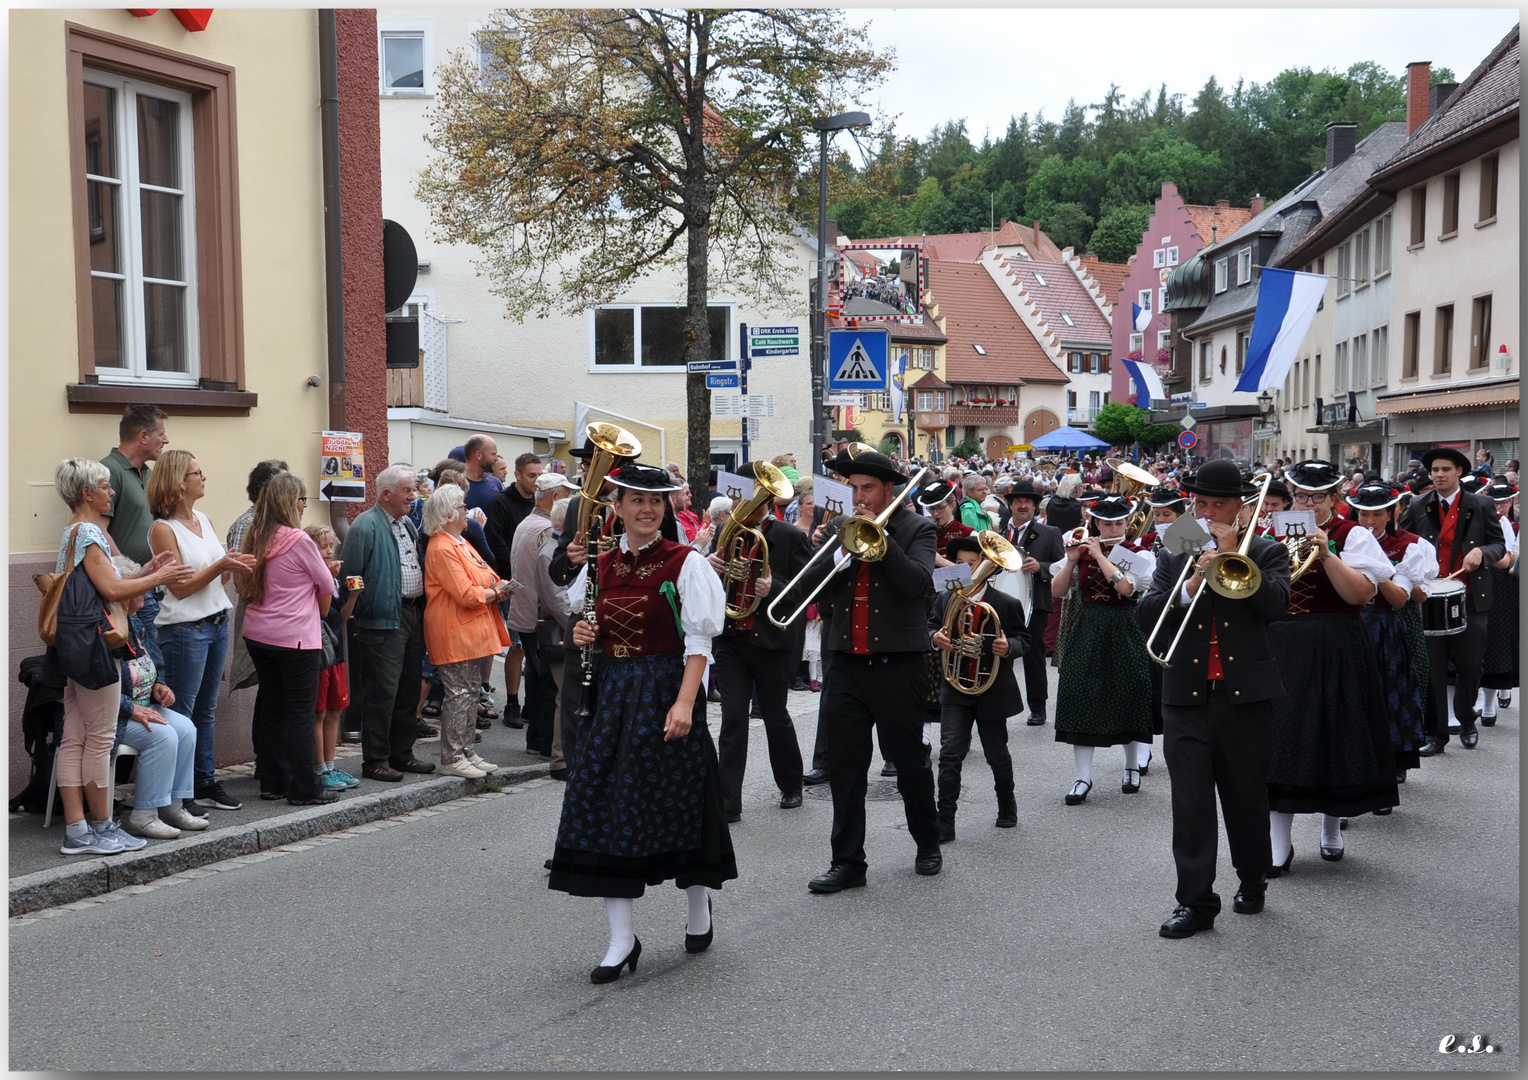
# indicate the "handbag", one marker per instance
pixel 330 645
pixel 76 624
pixel 52 589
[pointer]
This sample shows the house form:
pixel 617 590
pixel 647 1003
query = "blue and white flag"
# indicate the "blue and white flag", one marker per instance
pixel 898 387
pixel 1140 318
pixel 1286 306
pixel 1148 384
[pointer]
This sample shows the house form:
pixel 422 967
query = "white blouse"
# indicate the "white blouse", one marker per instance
pixel 1145 567
pixel 1509 534
pixel 1419 563
pixel 1362 552
pixel 702 601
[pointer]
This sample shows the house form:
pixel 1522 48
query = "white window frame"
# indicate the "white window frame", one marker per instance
pixel 1158 258
pixel 1344 268
pixel 1339 368
pixel 1379 357
pixel 1041 279
pixel 477 47
pixel 130 235
pixel 425 32
pixel 1068 320
pixel 1361 260
pixel 1143 299
pixel 636 366
pixel 1137 343
pixel 1164 338
pixel 1172 256
pixel 1222 274
pixel 1358 360
pixel 1162 298
pixel 1384 237
pixel 1244 266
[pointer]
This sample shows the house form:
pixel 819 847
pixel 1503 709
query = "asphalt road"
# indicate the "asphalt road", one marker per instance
pixel 434 944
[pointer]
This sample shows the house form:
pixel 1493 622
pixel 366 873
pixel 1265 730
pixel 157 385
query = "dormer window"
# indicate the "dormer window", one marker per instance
pixel 1068 320
pixel 1041 279
pixel 979 350
pixel 1244 266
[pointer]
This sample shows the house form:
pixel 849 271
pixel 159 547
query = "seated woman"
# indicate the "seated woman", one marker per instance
pixel 165 740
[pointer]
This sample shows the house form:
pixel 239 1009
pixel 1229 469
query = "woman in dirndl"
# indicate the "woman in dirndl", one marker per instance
pixel 1331 741
pixel 643 803
pixel 1103 697
pixel 1498 668
pixel 1394 621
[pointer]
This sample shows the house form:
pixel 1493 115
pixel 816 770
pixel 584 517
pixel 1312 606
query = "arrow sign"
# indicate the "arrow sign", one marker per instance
pixel 334 491
pixel 858 359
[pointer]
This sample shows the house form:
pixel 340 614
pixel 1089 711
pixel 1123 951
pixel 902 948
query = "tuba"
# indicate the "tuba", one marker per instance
pixel 743 547
pixel 1130 481
pixel 610 444
pixel 970 624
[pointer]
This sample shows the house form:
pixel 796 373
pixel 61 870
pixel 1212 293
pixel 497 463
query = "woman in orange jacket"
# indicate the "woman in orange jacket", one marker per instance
pixel 461 626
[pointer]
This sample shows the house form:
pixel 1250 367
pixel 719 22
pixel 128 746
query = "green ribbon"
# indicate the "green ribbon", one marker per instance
pixel 670 592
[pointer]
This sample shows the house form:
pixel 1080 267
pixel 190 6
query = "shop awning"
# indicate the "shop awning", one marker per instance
pixel 1438 400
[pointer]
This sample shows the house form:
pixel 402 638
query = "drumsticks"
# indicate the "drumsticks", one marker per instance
pixel 1455 574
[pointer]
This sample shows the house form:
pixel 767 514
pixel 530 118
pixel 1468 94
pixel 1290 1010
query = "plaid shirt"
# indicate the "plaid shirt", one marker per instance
pixel 408 559
pixel 239 528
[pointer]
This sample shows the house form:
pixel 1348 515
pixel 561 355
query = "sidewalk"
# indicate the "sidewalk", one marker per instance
pixel 42 877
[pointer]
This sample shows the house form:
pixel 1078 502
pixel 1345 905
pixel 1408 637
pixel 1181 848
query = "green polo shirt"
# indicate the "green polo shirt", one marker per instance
pixel 130 515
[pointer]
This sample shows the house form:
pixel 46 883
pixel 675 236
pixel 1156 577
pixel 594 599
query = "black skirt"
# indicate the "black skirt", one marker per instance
pixel 1405 707
pixel 1498 669
pixel 640 810
pixel 1331 742
pixel 1103 695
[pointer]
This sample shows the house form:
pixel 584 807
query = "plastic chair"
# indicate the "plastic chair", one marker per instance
pixel 121 749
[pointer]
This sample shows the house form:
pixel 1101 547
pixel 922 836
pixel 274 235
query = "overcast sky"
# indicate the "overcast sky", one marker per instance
pixel 989 64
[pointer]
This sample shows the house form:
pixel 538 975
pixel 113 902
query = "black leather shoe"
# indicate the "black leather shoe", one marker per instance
pixel 798 683
pixel 1146 765
pixel 700 942
pixel 1469 738
pixel 755 713
pixel 1280 871
pixel 946 830
pixel 412 764
pixel 888 769
pixel 381 771
pixel 321 797
pixel 816 776
pixel 611 974
pixel 1488 721
pixel 837 879
pixel 426 731
pixel 1132 781
pixel 1007 813
pixel 483 723
pixel 1400 776
pixel 1036 718
pixel 790 802
pixel 1247 903
pixel 1432 746
pixel 1079 793
pixel 1332 854
pixel 929 863
pixel 1186 922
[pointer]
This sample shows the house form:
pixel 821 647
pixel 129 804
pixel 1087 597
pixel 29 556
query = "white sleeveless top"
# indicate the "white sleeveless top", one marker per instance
pixel 200 552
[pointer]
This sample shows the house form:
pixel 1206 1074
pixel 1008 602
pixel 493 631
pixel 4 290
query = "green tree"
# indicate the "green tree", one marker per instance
pixel 602 144
pixel 968 447
pixel 1119 232
pixel 1114 423
pixel 1069 225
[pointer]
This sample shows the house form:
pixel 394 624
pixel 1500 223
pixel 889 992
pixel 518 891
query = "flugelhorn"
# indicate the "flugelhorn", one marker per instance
pixel 742 547
pixel 863 538
pixel 970 624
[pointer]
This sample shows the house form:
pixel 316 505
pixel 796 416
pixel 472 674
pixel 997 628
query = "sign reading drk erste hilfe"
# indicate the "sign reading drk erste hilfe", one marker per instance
pixel 858 359
pixel 342 467
pixel 774 341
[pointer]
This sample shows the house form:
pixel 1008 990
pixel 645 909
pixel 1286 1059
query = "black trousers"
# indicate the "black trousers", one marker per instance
pixel 955 743
pixel 1036 692
pixel 884 692
pixel 819 746
pixel 1224 747
pixel 393 663
pixel 540 697
pixel 741 668
pixel 282 727
pixel 1467 651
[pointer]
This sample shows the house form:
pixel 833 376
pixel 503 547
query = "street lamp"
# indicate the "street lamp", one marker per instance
pixel 819 315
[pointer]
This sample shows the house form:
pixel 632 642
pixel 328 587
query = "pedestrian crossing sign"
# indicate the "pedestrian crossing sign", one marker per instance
pixel 857 359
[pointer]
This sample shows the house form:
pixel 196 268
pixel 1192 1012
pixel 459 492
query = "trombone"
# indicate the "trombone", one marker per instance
pixel 861 537
pixel 1231 574
pixel 738 538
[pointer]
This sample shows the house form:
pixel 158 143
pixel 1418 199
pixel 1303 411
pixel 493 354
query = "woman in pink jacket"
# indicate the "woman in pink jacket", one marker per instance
pixel 461 626
pixel 289 591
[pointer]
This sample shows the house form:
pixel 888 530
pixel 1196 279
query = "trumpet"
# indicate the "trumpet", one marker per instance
pixel 1303 552
pixel 1231 574
pixel 861 537
pixel 970 624
pixel 742 546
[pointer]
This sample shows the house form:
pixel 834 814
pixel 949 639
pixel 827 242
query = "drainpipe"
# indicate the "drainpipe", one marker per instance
pixel 334 259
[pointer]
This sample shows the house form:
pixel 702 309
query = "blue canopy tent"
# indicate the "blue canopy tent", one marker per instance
pixel 1068 438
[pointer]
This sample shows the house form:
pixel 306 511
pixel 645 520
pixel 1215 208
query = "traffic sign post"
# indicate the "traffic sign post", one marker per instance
pixel 858 359
pixel 1187 439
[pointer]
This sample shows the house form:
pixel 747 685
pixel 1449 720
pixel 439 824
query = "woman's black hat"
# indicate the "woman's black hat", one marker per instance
pixel 1314 475
pixel 870 463
pixel 1447 453
pixel 962 543
pixel 934 494
pixel 1218 479
pixel 1375 497
pixel 1472 484
pixel 1111 508
pixel 1501 491
pixel 644 478
pixel 1162 495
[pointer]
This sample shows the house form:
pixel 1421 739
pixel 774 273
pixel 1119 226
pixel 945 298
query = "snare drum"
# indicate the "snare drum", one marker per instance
pixel 1443 610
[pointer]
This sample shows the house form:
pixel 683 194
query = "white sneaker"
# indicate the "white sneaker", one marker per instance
pixel 91 843
pixel 462 768
pixel 479 764
pixel 152 829
pixel 110 830
pixel 176 815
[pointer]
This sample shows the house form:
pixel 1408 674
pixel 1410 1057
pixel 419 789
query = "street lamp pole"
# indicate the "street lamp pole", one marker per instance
pixel 820 310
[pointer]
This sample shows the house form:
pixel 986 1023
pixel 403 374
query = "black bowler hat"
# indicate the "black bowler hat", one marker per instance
pixel 643 478
pixel 1314 475
pixel 934 494
pixel 962 543
pixel 1111 508
pixel 1278 489
pixel 1024 489
pixel 1501 491
pixel 871 463
pixel 1447 453
pixel 1162 495
pixel 1375 497
pixel 1218 479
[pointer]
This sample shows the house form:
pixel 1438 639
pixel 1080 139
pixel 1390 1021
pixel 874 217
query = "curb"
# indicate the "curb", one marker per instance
pixel 93 877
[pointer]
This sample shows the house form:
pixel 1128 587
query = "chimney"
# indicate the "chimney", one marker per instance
pixel 1257 205
pixel 1223 202
pixel 1438 95
pixel 1341 137
pixel 1417 74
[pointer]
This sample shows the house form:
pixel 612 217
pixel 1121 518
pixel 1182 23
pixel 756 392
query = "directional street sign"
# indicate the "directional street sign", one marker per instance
pixel 721 382
pixel 696 367
pixel 858 359
pixel 774 341
pixel 1187 440
pixel 733 406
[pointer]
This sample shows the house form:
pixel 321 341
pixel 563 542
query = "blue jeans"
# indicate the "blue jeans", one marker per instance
pixel 194 656
pixel 164 758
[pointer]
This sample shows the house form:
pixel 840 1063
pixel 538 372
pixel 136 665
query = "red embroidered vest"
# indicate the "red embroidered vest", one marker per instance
pixel 634 618
pixel 1095 588
pixel 1313 594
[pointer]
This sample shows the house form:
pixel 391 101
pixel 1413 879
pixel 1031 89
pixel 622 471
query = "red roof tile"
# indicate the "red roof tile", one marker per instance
pixel 1032 240
pixel 1222 221
pixel 1062 294
pixel 975 312
pixel 1110 277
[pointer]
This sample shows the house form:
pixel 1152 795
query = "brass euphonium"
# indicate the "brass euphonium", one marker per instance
pixel 970 624
pixel 610 443
pixel 1130 481
pixel 743 547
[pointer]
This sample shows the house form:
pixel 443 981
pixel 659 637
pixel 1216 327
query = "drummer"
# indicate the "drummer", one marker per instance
pixel 1498 669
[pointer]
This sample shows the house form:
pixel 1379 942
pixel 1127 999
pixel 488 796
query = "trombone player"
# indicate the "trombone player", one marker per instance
pixel 876 626
pixel 753 653
pixel 1217 694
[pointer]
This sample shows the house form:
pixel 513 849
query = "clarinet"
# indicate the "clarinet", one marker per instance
pixel 585 710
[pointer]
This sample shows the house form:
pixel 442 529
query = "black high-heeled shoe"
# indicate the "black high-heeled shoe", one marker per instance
pixel 603 974
pixel 1279 871
pixel 1076 797
pixel 700 942
pixel 1145 765
pixel 1131 788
